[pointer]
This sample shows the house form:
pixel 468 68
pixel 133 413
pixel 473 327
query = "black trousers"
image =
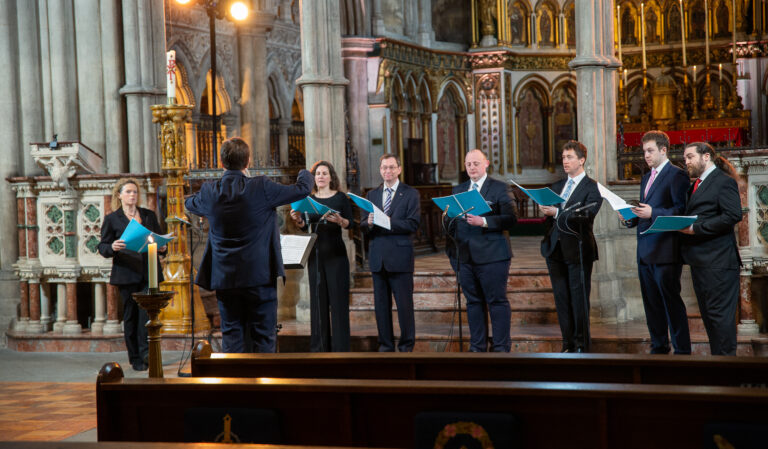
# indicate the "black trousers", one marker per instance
pixel 248 319
pixel 385 285
pixel 485 287
pixel 134 324
pixel 717 292
pixel 664 308
pixel 570 301
pixel 329 304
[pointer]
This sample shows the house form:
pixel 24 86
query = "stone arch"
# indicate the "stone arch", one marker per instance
pixel 519 13
pixel 450 131
pixel 461 94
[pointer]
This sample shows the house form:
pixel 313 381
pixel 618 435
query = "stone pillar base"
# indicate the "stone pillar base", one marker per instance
pixel 72 328
pixel 488 41
pixel 35 327
pixel 97 328
pixel 112 327
pixel 21 325
pixel 58 327
pixel 748 327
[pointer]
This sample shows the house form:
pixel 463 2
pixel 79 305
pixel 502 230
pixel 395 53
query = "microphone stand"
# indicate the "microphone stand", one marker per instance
pixel 318 315
pixel 457 270
pixel 190 227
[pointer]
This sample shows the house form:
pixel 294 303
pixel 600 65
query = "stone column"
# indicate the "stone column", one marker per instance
pixel 563 37
pixel 534 31
pixel 595 68
pixel 70 270
pixel 88 35
pixel 99 307
pixel 377 18
pixel 63 59
pixel 144 62
pixel 354 52
pixel 254 98
pixel 322 81
pixel 112 325
pixel 747 323
pixel 61 307
pixel 71 326
pixel 283 125
pixel 112 74
pixel 426 135
pixel 45 306
pixel 34 326
pixel 426 34
pixel 30 84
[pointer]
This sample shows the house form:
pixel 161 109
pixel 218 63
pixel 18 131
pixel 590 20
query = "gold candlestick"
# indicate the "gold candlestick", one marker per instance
pixel 681 105
pixel 153 303
pixel 645 99
pixel 708 102
pixel 720 102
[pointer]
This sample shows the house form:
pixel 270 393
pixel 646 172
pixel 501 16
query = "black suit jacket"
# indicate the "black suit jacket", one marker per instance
pixel 485 245
pixel 667 196
pixel 565 247
pixel 243 248
pixel 718 206
pixel 392 249
pixel 128 267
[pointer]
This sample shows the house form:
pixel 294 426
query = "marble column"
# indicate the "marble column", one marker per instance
pixel 99 307
pixel 747 322
pixel 144 62
pixel 23 320
pixel 112 325
pixel 61 307
pixel 354 51
pixel 45 306
pixel 254 98
pixel 112 74
pixel 88 35
pixel 34 326
pixel 595 68
pixel 377 18
pixel 322 81
pixel 71 325
pixel 283 125
pixel 30 85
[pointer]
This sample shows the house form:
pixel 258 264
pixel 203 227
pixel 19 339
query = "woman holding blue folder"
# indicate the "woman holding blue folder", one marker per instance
pixel 329 295
pixel 129 268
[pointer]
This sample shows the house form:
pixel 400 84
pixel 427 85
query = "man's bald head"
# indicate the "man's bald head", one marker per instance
pixel 476 164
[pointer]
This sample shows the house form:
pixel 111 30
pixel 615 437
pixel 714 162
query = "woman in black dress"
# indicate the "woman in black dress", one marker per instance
pixel 129 268
pixel 329 299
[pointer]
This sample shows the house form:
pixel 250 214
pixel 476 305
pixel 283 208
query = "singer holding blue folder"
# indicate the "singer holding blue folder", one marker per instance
pixel 570 248
pixel 483 256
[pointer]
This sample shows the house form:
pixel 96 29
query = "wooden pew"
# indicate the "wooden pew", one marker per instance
pixel 382 413
pixel 135 445
pixel 603 368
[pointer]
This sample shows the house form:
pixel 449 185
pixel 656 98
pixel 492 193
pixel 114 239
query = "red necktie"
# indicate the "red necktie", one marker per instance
pixel 696 185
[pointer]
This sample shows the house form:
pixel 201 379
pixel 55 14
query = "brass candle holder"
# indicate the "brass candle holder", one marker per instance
pixel 708 102
pixel 681 105
pixel 720 102
pixel 153 302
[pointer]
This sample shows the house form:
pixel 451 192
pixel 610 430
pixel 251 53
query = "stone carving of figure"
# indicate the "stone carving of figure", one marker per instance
pixel 628 28
pixel 546 28
pixel 722 19
pixel 487 13
pixel 564 121
pixel 517 25
pixel 650 26
pixel 673 24
pixel 570 25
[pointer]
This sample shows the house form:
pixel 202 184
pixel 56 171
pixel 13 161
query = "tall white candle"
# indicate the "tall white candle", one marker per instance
pixel 642 29
pixel 170 75
pixel 625 78
pixel 720 71
pixel 694 74
pixel 152 257
pixel 618 27
pixel 682 32
pixel 706 32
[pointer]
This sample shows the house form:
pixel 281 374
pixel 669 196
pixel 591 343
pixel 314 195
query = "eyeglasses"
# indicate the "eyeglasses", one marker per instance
pixel 390 167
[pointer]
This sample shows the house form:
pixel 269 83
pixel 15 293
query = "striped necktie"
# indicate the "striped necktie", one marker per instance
pixel 474 186
pixel 388 200
pixel 567 192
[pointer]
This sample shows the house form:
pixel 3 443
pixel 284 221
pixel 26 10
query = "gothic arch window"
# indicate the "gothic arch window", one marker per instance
pixel 450 133
pixel 519 23
pixel 223 102
pixel 184 94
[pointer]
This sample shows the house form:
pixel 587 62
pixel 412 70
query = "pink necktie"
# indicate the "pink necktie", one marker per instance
pixel 650 181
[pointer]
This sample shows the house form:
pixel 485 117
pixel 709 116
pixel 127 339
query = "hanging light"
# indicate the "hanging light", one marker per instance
pixel 238 10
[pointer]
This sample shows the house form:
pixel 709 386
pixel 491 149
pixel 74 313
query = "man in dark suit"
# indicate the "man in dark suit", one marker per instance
pixel 709 244
pixel 663 191
pixel 242 259
pixel 390 254
pixel 569 226
pixel 483 256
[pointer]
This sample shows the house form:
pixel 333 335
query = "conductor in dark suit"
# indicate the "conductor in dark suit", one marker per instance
pixel 560 246
pixel 709 244
pixel 129 269
pixel 390 254
pixel 663 191
pixel 242 259
pixel 484 256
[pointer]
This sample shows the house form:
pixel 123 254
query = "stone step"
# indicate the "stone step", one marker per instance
pixel 442 299
pixel 531 278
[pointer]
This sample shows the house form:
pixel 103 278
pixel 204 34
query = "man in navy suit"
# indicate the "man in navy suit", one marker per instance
pixel 242 259
pixel 709 244
pixel 390 254
pixel 483 256
pixel 662 192
pixel 569 227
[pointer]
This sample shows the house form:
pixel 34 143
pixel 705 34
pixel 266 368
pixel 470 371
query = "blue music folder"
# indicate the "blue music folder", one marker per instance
pixel 543 197
pixel 670 223
pixel 136 237
pixel 362 203
pixel 310 206
pixel 471 202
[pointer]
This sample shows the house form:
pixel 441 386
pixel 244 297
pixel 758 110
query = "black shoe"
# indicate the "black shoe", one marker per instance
pixel 580 350
pixel 140 366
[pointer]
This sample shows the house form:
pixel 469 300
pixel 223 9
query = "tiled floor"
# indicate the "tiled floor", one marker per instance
pixel 46 411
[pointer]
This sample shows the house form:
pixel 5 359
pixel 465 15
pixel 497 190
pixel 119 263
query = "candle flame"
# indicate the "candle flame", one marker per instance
pixel 150 239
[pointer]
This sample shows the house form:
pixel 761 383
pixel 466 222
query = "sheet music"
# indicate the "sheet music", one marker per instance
pixel 295 249
pixel 380 218
pixel 617 203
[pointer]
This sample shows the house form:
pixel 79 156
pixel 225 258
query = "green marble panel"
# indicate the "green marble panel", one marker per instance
pixel 69 221
pixel 55 245
pixel 54 214
pixel 92 244
pixel 70 249
pixel 92 213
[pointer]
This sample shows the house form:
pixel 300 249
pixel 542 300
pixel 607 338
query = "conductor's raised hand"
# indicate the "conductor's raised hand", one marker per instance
pixel 296 217
pixel 549 211
pixel 118 245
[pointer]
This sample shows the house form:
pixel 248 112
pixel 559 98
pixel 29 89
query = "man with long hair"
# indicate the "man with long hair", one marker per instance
pixel 709 244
